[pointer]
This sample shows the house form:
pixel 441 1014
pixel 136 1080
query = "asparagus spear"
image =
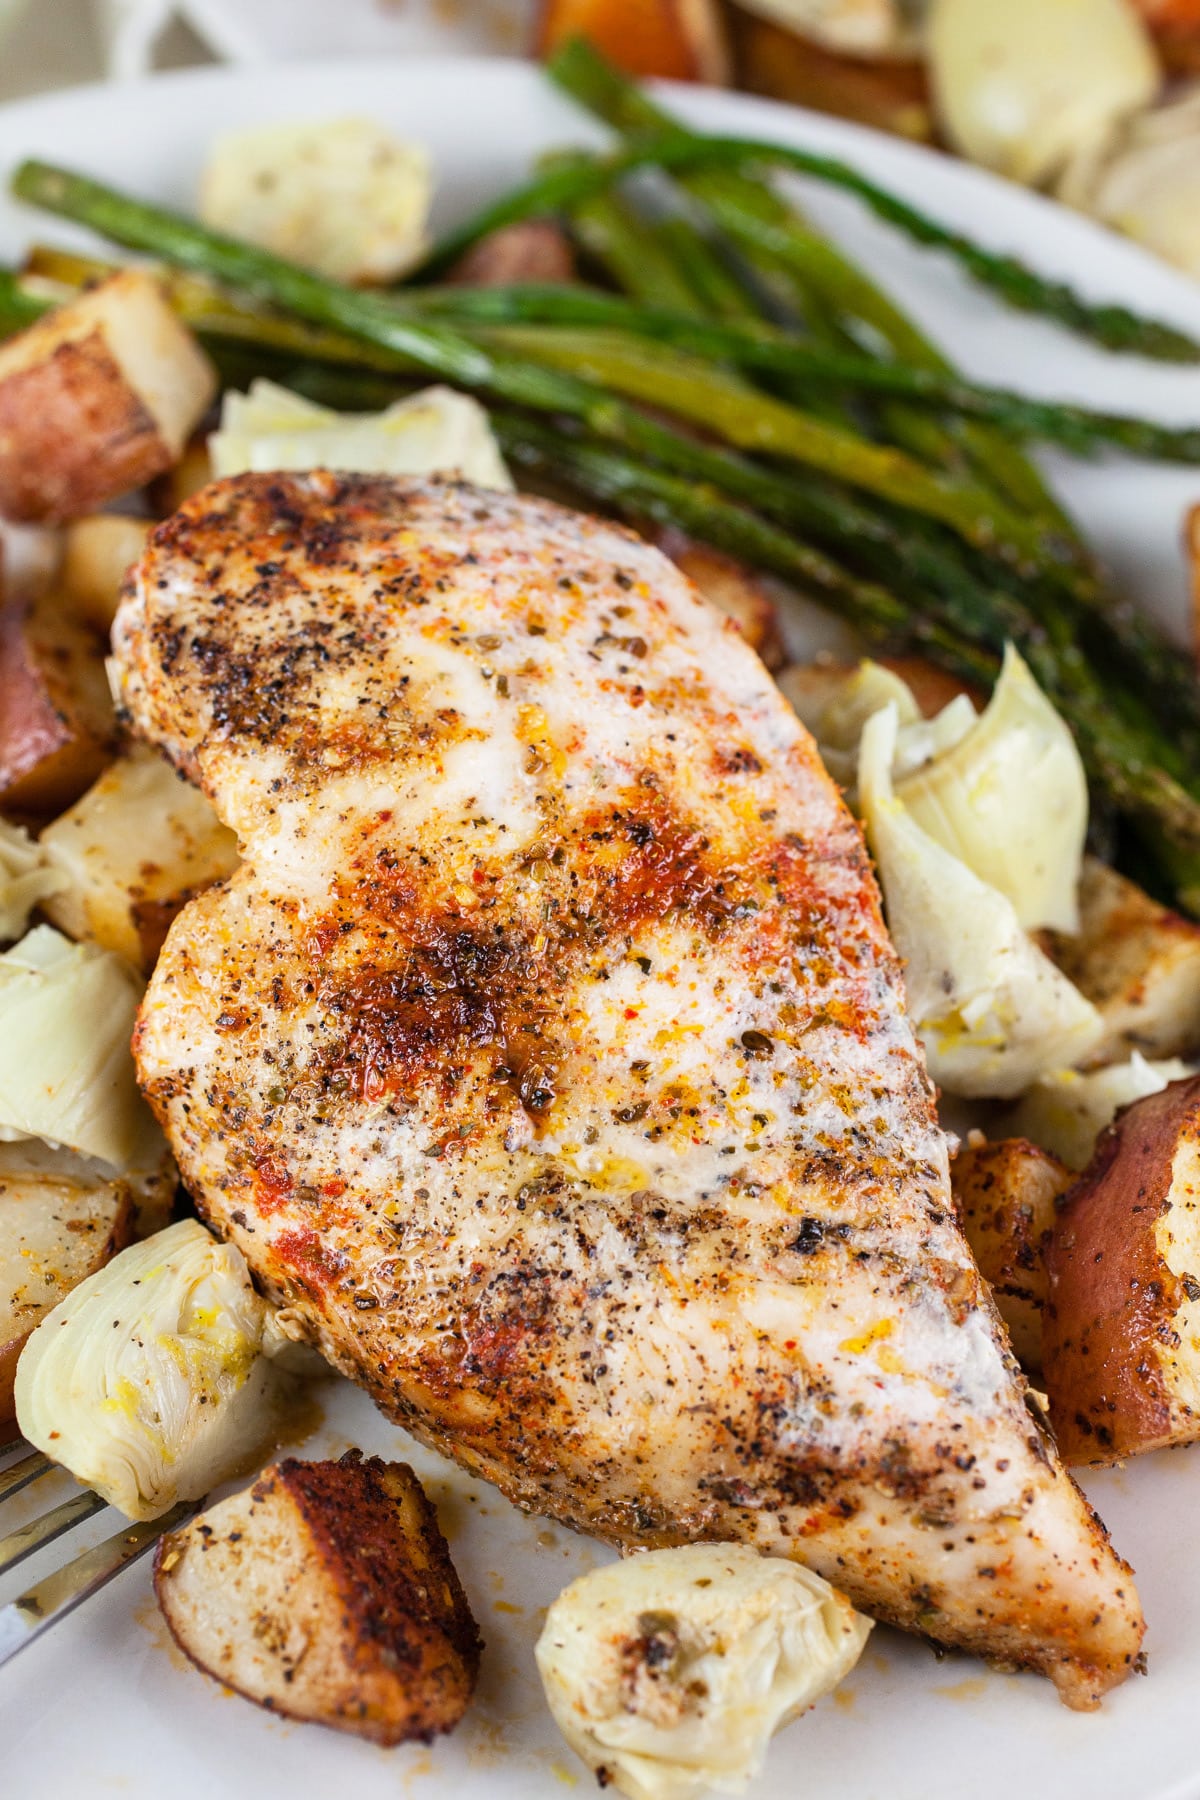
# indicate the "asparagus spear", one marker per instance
pixel 1120 630
pixel 692 389
pixel 604 90
pixel 1115 327
pixel 18 308
pixel 757 346
pixel 716 288
pixel 617 238
pixel 643 492
pixel 381 322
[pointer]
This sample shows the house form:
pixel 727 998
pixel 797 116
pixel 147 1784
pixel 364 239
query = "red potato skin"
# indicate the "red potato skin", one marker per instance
pixel 57 730
pixel 530 250
pixel 1112 1298
pixel 73 434
pixel 887 93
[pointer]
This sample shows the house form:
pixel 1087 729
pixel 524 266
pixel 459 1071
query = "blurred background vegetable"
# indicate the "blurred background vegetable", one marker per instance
pixel 1043 90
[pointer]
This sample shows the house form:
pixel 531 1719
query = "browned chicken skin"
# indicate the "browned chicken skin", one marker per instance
pixel 549 1055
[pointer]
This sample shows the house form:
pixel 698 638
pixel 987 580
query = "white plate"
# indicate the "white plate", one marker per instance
pixel 103 1704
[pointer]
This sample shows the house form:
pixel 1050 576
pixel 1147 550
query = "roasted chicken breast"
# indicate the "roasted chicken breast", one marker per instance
pixel 548 1054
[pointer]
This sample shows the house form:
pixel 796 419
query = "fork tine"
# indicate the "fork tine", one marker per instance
pixel 43 1530
pixel 25 1618
pixel 20 1474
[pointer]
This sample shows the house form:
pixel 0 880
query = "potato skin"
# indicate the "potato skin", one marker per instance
pixel 326 1592
pixel 1120 1372
pixel 530 250
pixel 97 397
pixel 54 415
pixel 888 93
pixel 57 728
pixel 1006 1192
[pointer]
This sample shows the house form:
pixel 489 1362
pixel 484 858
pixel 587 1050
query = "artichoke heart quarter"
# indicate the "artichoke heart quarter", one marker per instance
pixel 66 1074
pixel 1010 799
pixel 149 1382
pixel 435 431
pixel 991 1009
pixel 669 1672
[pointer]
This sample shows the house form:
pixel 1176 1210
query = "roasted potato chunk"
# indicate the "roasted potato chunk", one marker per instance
pixel 530 250
pixel 1007 1192
pixel 889 93
pixel 733 589
pixel 96 398
pixel 1121 1343
pixel 97 554
pixel 681 39
pixel 137 846
pixel 326 1592
pixel 57 728
pixel 59 1223
pixel 1139 965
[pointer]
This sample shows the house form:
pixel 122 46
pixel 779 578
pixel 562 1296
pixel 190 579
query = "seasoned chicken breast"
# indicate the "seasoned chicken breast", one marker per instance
pixel 548 1055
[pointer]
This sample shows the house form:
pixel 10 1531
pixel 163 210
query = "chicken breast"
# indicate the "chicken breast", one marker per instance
pixel 548 1055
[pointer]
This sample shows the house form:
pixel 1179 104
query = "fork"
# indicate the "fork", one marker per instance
pixel 55 1595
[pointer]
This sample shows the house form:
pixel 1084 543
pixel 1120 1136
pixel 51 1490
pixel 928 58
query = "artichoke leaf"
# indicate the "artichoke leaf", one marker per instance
pixel 1022 85
pixel 67 1014
pixel 671 1670
pixel 435 432
pixel 25 879
pixel 149 1382
pixel 1066 1110
pixel 1010 800
pixel 991 1009
pixel 837 711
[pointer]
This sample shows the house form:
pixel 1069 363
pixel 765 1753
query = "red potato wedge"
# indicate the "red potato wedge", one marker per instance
pixel 732 588
pixel 97 554
pixel 530 250
pixel 326 1592
pixel 1121 1340
pixel 890 94
pixel 58 1225
pixel 57 727
pixel 95 399
pixel 1007 1194
pixel 684 40
pixel 1138 963
pixel 133 850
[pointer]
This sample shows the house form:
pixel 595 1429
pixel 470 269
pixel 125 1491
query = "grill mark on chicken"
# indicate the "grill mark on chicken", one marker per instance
pixel 548 1054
